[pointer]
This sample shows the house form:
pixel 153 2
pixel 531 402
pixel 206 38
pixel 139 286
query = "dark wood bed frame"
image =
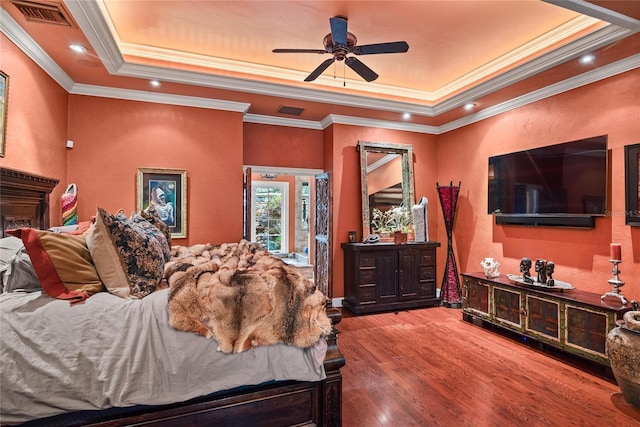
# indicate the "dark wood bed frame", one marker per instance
pixel 24 202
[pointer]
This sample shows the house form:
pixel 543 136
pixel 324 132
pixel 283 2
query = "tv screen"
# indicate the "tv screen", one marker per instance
pixel 561 179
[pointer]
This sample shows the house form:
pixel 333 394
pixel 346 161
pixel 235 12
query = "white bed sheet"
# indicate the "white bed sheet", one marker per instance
pixel 109 351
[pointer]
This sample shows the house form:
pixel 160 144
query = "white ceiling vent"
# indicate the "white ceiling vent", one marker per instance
pixel 44 12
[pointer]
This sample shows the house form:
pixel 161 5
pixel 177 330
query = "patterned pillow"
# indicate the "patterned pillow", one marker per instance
pixel 151 229
pixel 128 254
pixel 62 263
pixel 151 215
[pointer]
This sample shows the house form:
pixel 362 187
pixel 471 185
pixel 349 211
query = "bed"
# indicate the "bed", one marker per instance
pixel 293 386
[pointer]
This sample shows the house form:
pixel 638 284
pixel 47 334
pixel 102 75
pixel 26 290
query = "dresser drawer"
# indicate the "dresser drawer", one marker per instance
pixel 427 289
pixel 427 273
pixel 367 260
pixel 367 276
pixel 427 257
pixel 367 294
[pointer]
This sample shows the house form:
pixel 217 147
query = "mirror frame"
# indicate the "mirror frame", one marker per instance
pixel 406 151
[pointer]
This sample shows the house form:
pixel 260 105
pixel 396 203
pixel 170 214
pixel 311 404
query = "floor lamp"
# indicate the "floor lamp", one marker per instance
pixel 450 292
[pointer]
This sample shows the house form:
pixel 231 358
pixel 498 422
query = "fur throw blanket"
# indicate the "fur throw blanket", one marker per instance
pixel 242 296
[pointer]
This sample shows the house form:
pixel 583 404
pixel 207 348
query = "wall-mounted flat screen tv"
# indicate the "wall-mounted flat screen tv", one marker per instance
pixel 556 180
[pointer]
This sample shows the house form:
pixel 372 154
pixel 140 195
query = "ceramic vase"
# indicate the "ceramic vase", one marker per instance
pixel 623 349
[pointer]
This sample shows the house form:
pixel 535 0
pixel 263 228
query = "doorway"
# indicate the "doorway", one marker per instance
pixel 281 211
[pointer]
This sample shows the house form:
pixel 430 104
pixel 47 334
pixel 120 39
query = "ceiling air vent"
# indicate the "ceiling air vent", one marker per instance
pixel 45 12
pixel 294 111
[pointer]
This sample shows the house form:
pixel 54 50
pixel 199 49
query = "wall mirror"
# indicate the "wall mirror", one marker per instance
pixel 386 178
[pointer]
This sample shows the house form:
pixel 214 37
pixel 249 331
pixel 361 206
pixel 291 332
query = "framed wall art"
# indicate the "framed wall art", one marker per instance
pixel 4 99
pixel 166 189
pixel 632 184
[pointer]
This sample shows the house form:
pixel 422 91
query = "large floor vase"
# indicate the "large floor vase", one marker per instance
pixel 623 349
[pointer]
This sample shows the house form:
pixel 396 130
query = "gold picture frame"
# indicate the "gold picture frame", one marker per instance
pixel 167 190
pixel 4 100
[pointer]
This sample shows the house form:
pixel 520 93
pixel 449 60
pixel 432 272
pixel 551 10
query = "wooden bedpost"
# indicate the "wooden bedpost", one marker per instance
pixel 332 388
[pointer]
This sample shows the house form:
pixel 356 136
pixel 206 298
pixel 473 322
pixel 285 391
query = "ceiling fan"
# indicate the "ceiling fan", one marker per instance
pixel 340 43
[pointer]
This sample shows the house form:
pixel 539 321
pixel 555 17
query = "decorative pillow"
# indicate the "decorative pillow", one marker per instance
pixel 128 256
pixel 16 271
pixel 151 215
pixel 149 228
pixel 62 263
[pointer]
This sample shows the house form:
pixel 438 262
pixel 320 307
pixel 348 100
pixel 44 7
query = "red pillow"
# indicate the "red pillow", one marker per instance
pixel 62 263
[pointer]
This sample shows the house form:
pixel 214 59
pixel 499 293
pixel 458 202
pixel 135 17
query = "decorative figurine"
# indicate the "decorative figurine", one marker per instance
pixel 541 269
pixel 490 267
pixel 549 270
pixel 525 269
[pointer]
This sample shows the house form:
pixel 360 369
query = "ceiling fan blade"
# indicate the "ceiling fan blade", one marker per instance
pixel 338 30
pixel 371 49
pixel 365 72
pixel 315 73
pixel 299 51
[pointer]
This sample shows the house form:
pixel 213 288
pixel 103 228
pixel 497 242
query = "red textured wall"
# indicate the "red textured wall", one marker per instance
pixel 278 146
pixel 610 107
pixel 36 121
pixel 113 138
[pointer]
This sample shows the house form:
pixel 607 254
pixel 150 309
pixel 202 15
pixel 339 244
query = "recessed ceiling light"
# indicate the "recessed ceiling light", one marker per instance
pixel 155 83
pixel 587 59
pixel 78 48
pixel 406 116
pixel 469 106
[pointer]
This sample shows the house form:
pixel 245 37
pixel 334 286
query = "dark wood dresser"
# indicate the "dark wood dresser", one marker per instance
pixel 574 321
pixel 386 276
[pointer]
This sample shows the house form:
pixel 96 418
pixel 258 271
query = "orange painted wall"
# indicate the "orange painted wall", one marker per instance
pixel 610 107
pixel 113 138
pixel 347 203
pixel 36 121
pixel 278 146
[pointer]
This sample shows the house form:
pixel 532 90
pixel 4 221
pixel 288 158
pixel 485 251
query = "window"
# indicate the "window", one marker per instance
pixel 269 215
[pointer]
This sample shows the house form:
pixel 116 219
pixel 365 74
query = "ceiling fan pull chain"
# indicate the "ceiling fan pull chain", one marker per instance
pixel 344 75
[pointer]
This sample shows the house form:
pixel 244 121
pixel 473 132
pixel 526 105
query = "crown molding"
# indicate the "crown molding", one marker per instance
pixel 332 119
pixel 159 98
pixel 89 16
pixel 597 39
pixel 589 43
pixel 281 121
pixel 598 12
pixel 14 32
pixel 619 67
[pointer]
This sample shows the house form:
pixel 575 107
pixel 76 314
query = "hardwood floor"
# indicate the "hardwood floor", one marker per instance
pixel 428 367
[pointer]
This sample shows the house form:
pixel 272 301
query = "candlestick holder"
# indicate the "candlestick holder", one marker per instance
pixel 616 283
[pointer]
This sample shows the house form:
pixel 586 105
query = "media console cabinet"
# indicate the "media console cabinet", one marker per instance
pixel 574 321
pixel 388 276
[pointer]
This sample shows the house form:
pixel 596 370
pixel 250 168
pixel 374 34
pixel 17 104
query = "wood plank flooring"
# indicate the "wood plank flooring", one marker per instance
pixel 428 367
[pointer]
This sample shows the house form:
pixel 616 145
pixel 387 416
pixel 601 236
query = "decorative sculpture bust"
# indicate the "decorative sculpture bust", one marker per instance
pixel 525 269
pixel 541 269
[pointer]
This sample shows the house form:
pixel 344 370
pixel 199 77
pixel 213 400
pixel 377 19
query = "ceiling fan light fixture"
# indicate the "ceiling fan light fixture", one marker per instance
pixel 340 43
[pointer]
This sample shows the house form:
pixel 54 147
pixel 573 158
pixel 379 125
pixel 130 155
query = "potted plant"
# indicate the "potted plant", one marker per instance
pixel 396 221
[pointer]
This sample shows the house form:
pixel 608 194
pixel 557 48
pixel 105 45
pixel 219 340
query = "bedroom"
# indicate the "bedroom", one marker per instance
pixel 213 144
